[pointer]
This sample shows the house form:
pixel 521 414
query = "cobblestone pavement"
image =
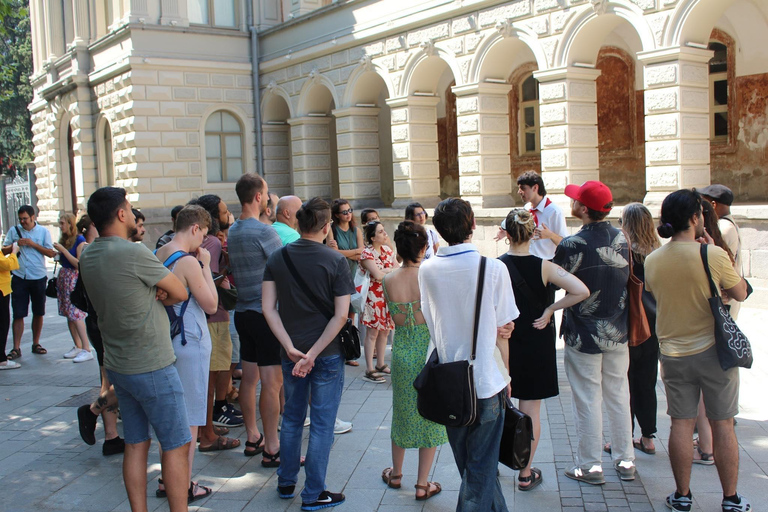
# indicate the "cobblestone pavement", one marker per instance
pixel 44 466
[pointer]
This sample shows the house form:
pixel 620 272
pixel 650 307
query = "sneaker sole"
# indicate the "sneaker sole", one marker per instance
pixel 339 432
pixel 672 507
pixel 591 482
pixel 286 496
pixel 382 381
pixel 228 425
pixel 324 505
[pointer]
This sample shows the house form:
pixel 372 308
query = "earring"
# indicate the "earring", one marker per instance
pixel 506 241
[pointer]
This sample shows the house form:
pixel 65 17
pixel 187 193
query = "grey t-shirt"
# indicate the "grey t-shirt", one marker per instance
pixel 120 278
pixel 250 243
pixel 326 273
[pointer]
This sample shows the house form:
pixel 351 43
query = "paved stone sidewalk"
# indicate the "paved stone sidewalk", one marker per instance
pixel 44 466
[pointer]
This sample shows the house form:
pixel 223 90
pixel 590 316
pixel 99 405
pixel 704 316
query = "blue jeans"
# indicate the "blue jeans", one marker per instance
pixel 325 383
pixel 476 450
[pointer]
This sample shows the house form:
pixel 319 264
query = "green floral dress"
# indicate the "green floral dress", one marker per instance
pixel 409 352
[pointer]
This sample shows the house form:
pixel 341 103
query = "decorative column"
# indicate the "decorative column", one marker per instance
pixel 482 112
pixel 139 10
pixel 81 23
pixel 310 147
pixel 277 159
pixel 415 167
pixel 357 136
pixel 568 120
pixel 172 12
pixel 676 120
pixel 54 24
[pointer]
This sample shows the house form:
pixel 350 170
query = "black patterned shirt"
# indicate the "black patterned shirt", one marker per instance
pixel 598 255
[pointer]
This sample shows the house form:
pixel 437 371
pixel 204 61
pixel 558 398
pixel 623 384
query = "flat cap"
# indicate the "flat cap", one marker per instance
pixel 719 193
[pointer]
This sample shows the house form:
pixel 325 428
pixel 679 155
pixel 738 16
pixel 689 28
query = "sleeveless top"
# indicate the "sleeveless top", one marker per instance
pixel 529 268
pixel 347 241
pixel 403 308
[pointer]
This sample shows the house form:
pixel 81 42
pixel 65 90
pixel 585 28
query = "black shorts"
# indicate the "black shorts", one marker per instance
pixel 23 291
pixel 257 343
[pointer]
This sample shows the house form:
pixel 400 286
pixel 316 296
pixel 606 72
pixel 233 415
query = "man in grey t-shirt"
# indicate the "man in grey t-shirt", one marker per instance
pixel 250 244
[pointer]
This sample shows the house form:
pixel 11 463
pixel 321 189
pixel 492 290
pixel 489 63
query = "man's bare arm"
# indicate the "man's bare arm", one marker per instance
pixel 174 288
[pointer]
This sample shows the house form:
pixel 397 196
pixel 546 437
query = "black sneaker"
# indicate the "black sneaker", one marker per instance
pixel 325 500
pixel 87 422
pixel 235 412
pixel 737 506
pixel 113 446
pixel 227 418
pixel 286 492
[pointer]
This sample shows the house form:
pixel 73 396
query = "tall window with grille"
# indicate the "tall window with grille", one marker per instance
pixel 529 116
pixel 718 93
pixel 217 13
pixel 223 148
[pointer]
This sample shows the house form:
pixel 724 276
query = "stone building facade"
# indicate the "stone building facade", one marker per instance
pixel 385 101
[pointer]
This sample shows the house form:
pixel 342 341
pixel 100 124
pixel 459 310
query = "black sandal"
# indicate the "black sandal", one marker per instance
pixel 535 478
pixel 193 487
pixel 15 353
pixel 37 349
pixel 258 447
pixel 160 493
pixel 269 460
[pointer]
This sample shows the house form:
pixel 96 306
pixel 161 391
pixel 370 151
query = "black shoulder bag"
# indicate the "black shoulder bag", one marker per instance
pixel 733 348
pixel 350 337
pixel 446 392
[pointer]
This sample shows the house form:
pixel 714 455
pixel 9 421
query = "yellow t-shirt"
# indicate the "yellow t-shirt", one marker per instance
pixel 675 275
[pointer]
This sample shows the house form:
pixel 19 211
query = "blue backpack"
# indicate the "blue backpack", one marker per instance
pixel 177 321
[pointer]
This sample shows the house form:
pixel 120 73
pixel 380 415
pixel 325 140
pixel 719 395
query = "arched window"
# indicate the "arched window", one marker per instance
pixel 718 93
pixel 223 147
pixel 529 116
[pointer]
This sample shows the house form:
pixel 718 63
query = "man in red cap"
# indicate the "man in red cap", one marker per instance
pixel 595 331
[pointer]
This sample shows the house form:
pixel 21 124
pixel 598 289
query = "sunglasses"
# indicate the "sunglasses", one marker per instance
pixel 420 214
pixel 345 212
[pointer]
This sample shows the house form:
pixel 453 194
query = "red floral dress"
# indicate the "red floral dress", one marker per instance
pixel 376 314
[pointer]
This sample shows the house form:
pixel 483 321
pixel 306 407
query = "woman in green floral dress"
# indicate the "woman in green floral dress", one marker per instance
pixel 409 351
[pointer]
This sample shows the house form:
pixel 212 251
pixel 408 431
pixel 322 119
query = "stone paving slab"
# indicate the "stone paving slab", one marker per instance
pixel 44 466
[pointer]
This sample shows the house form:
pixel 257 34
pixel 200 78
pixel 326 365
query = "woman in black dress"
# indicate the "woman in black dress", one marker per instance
pixel 532 355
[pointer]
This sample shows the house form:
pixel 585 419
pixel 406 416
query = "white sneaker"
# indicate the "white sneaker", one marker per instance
pixel 10 365
pixel 307 421
pixel 73 352
pixel 83 356
pixel 341 426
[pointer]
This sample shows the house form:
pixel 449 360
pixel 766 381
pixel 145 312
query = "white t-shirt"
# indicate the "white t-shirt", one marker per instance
pixel 547 212
pixel 431 241
pixel 447 284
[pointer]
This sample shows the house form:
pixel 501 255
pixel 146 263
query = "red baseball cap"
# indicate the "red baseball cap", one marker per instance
pixel 592 194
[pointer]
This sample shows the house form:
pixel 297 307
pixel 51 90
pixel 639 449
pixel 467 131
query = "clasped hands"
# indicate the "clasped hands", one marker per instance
pixel 303 362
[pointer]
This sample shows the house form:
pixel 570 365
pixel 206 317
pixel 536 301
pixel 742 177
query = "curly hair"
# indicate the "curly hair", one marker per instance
pixel 519 225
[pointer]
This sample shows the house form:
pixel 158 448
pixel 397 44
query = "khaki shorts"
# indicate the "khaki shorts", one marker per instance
pixel 221 346
pixel 685 378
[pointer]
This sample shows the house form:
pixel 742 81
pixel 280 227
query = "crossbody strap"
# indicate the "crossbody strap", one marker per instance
pixel 478 303
pixel 18 232
pixel 522 285
pixel 705 260
pixel 303 284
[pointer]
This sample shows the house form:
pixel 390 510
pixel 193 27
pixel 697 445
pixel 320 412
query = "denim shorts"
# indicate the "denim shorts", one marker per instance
pixel 154 398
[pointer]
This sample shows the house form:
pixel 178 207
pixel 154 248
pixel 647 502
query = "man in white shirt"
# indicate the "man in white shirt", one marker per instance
pixel 450 318
pixel 549 218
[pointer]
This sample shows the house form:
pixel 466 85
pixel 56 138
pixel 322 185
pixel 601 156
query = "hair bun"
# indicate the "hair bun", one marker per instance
pixel 666 230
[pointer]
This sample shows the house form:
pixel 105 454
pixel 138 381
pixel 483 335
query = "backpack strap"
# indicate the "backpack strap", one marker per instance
pixel 170 260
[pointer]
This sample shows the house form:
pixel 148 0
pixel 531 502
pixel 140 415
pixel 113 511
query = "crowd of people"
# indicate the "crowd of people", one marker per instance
pixel 265 296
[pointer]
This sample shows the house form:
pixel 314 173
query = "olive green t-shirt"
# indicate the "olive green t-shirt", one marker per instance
pixel 120 278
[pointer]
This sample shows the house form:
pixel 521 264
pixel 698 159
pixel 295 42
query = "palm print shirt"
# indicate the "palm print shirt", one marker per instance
pixel 598 255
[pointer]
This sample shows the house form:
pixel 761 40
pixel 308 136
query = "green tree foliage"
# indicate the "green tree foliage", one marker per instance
pixel 15 90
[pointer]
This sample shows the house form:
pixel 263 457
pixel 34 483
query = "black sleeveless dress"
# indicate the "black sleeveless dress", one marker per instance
pixel 532 355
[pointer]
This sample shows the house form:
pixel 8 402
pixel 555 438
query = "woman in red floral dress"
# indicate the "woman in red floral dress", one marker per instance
pixel 378 260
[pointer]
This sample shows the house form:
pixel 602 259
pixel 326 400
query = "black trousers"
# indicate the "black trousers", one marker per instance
pixel 5 323
pixel 643 373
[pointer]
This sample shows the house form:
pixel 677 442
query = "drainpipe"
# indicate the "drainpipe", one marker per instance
pixel 255 71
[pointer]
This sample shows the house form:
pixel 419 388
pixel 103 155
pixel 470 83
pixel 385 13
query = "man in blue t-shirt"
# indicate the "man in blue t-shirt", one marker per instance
pixel 29 280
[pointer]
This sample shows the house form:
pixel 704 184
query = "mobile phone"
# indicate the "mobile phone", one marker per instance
pixel 218 277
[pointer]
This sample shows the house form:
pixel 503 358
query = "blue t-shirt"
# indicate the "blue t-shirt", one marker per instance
pixel 31 261
pixel 63 261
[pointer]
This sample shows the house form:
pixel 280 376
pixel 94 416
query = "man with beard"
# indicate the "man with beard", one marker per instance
pixel 689 362
pixel 123 281
pixel 138 236
pixel 595 331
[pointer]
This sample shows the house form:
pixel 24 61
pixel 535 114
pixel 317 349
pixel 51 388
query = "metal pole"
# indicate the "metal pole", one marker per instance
pixel 255 71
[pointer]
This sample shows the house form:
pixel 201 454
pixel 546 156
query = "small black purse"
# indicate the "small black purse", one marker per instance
pixel 446 392
pixel 733 348
pixel 349 335
pixel 515 448
pixel 50 289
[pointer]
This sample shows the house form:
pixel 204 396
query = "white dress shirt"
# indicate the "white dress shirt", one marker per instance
pixel 548 213
pixel 447 284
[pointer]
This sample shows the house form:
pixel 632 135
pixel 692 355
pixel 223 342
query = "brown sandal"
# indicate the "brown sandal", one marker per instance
pixel 428 494
pixel 388 478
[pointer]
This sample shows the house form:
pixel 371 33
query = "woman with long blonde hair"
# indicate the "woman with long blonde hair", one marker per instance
pixel 638 225
pixel 70 246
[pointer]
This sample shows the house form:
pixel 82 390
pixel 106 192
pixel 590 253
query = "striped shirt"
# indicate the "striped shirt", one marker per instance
pixel 250 243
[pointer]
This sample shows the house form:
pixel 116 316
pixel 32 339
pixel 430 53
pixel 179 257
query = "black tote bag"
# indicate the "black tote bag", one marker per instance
pixel 515 449
pixel 733 348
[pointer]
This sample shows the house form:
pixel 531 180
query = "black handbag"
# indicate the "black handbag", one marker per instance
pixel 515 449
pixel 349 335
pixel 50 289
pixel 733 348
pixel 77 296
pixel 446 392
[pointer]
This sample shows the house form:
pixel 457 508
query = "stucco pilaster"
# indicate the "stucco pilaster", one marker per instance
pixel 81 23
pixel 277 159
pixel 482 114
pixel 311 156
pixel 568 117
pixel 55 28
pixel 415 167
pixel 357 140
pixel 676 120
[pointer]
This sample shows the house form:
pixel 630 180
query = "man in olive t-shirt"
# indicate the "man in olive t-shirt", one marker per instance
pixel 124 282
